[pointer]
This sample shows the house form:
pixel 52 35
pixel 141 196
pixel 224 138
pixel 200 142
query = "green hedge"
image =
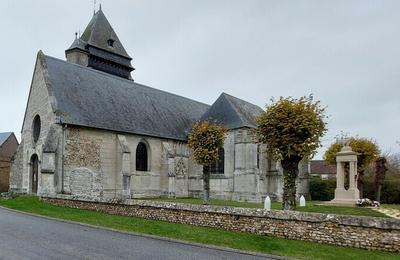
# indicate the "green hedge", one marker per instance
pixel 324 190
pixel 390 193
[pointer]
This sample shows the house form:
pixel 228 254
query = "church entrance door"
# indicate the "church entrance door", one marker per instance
pixel 35 173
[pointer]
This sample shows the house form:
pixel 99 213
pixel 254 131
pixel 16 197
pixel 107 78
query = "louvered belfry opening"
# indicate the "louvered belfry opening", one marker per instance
pixel 100 48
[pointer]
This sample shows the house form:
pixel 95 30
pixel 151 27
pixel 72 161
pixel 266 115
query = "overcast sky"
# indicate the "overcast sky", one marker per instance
pixel 346 53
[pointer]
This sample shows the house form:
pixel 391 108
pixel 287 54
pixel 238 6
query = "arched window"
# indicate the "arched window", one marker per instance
pixel 141 157
pixel 218 166
pixel 36 125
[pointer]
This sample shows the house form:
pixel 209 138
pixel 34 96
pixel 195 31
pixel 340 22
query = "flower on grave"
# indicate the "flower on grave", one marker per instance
pixel 367 203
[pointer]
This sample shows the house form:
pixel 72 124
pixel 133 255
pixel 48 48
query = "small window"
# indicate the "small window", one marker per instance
pixel 110 42
pixel 36 125
pixel 218 166
pixel 141 157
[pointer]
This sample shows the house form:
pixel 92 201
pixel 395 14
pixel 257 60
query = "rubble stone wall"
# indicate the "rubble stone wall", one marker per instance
pixel 361 232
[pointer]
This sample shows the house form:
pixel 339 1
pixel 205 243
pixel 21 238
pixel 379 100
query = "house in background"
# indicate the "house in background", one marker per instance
pixel 8 146
pixel 322 169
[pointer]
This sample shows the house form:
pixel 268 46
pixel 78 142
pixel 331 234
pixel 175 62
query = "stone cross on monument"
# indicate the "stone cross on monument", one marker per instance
pixel 342 195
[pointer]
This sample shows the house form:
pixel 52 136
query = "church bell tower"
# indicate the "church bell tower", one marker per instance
pixel 99 48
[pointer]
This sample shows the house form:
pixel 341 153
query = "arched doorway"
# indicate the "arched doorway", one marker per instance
pixel 34 173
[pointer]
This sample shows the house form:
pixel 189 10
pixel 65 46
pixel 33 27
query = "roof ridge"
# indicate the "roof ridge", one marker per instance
pixel 95 17
pixel 225 95
pixel 243 116
pixel 98 28
pixel 229 95
pixel 88 98
pixel 223 110
pixel 125 80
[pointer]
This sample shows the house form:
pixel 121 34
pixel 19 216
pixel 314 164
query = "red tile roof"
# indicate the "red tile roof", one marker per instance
pixel 322 167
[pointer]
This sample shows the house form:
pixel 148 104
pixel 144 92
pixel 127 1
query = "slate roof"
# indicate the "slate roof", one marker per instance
pixel 88 97
pixel 232 112
pixel 95 42
pixel 98 31
pixel 4 137
pixel 77 44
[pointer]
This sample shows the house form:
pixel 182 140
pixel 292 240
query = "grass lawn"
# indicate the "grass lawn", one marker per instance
pixel 243 241
pixel 391 206
pixel 311 206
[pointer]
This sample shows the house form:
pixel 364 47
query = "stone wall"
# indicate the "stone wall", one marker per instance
pixel 40 102
pixel 83 167
pixel 110 157
pixel 82 150
pixel 172 172
pixel 361 232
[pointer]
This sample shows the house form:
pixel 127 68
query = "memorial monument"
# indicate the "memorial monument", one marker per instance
pixel 346 161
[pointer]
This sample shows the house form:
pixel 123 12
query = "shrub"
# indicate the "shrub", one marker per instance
pixel 323 190
pixel 292 130
pixel 390 193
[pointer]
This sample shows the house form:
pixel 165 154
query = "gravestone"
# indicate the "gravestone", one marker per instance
pixel 267 203
pixel 302 201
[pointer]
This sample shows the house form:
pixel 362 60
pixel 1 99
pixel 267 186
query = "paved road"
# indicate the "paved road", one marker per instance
pixel 29 237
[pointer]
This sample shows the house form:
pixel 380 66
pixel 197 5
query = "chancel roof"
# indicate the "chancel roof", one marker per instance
pixel 232 112
pixel 91 98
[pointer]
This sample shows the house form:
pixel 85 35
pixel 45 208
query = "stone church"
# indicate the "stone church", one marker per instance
pixel 90 131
